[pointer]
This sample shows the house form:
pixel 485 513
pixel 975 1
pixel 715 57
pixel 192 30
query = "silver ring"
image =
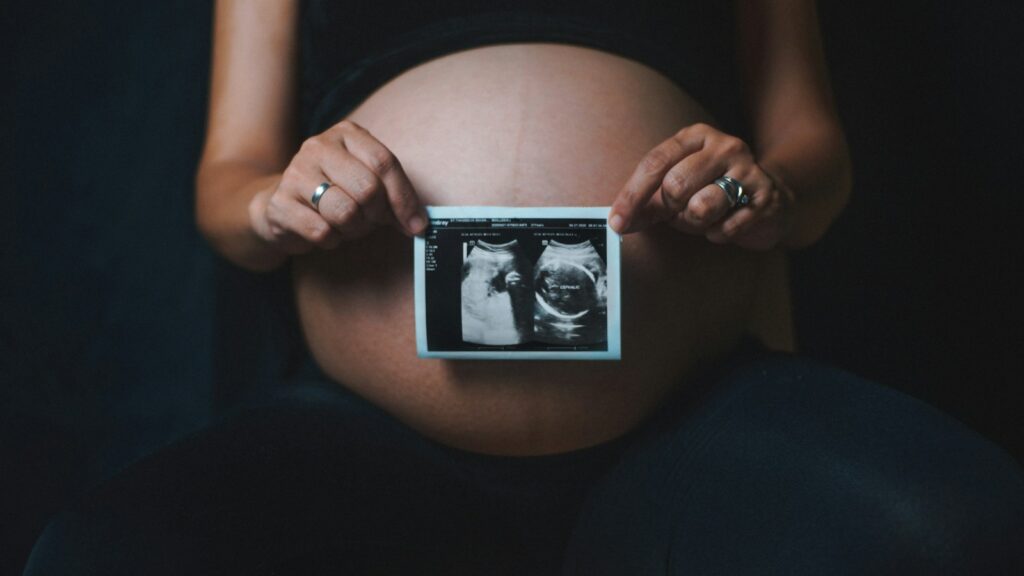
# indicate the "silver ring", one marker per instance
pixel 318 193
pixel 733 191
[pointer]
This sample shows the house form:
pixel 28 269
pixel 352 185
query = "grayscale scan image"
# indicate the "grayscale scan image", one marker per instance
pixel 497 302
pixel 570 289
pixel 525 286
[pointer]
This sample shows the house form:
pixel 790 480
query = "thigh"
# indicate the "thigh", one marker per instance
pixel 312 480
pixel 792 467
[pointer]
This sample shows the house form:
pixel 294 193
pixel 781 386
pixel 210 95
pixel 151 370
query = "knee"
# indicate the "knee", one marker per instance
pixel 46 552
pixel 73 543
pixel 925 491
pixel 98 541
pixel 963 514
pixel 815 465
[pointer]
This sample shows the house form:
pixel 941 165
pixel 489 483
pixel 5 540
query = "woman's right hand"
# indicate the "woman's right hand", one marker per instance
pixel 368 189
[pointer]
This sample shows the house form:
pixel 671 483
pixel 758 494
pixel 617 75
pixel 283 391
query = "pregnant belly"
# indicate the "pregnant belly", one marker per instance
pixel 525 125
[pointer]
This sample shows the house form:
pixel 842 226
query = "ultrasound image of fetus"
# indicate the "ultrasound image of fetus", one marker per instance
pixel 496 295
pixel 571 285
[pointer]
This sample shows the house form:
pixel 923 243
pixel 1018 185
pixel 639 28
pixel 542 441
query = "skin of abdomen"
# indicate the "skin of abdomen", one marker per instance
pixel 525 125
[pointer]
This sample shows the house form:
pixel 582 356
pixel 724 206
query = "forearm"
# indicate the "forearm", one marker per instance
pixel 225 191
pixel 811 159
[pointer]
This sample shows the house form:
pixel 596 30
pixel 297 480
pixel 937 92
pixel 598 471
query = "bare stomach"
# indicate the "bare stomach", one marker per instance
pixel 526 125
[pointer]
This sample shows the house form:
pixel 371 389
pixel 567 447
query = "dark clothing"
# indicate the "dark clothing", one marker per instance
pixel 781 466
pixel 349 49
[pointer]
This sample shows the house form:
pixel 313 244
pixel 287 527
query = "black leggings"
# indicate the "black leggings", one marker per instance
pixel 783 466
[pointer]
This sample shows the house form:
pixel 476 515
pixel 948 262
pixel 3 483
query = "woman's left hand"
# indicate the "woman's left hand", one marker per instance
pixel 675 183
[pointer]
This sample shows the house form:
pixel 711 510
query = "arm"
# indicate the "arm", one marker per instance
pixel 798 138
pixel 254 182
pixel 250 134
pixel 796 174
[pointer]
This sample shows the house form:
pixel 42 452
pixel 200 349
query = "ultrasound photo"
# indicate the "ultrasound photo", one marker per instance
pixel 497 303
pixel 528 283
pixel 571 294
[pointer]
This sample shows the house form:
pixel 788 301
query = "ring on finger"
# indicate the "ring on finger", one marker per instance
pixel 733 191
pixel 319 193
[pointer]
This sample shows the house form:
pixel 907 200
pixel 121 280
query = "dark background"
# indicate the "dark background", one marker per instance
pixel 107 302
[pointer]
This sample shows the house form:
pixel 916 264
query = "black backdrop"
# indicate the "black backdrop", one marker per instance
pixel 107 304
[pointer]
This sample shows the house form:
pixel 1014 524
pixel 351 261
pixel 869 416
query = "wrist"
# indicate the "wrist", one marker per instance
pixel 812 164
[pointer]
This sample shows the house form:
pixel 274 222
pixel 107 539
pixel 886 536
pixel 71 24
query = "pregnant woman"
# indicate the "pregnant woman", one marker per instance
pixel 710 448
pixel 520 107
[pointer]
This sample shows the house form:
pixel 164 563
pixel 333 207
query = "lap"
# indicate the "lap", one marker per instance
pixel 788 466
pixel 311 481
pixel 784 466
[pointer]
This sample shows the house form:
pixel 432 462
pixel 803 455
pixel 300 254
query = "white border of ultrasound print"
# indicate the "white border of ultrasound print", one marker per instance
pixel 614 351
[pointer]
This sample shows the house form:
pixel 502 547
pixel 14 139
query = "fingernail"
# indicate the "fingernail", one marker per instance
pixel 617 223
pixel 416 224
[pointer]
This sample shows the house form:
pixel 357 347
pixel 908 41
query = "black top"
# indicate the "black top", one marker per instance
pixel 349 49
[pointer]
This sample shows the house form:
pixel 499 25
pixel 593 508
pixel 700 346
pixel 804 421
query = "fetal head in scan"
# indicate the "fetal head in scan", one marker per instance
pixel 497 286
pixel 570 299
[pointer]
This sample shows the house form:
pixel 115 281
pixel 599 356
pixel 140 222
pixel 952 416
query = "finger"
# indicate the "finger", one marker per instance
pixel 288 241
pixel 284 239
pixel 651 213
pixel 739 219
pixel 344 214
pixel 749 232
pixel 311 227
pixel 682 202
pixel 763 202
pixel 690 175
pixel 705 208
pixel 279 224
pixel 650 172
pixel 727 230
pixel 344 168
pixel 761 206
pixel 402 201
pixel 338 209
